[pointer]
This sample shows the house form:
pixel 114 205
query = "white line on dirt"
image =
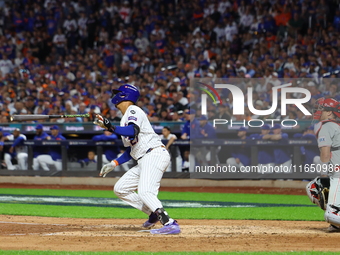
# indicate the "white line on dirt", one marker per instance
pixel 27 223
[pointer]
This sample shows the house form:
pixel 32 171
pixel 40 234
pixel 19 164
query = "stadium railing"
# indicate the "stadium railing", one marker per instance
pixel 74 168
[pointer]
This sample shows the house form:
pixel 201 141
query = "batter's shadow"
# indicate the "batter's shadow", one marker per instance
pixel 324 230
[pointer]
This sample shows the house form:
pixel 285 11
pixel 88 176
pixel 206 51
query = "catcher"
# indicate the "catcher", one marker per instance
pixel 324 191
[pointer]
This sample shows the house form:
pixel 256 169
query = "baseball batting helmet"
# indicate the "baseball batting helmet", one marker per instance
pixel 126 92
pixel 328 104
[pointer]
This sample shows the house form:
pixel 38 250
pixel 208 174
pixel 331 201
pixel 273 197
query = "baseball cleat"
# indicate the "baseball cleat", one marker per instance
pixel 170 229
pixel 153 219
pixel 332 229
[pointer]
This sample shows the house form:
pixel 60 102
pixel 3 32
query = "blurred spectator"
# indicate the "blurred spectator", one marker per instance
pixel 17 151
pixel 186 163
pixel 282 154
pixel 2 139
pixel 265 155
pixel 92 48
pixel 190 124
pixel 91 155
pixel 53 160
pixel 110 152
pixel 167 135
pixel 240 155
pixel 208 131
pixel 40 152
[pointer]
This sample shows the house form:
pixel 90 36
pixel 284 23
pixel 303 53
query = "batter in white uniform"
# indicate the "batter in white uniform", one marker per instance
pixel 145 146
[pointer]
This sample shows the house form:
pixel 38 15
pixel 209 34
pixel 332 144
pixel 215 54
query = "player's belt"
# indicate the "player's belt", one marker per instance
pixel 149 150
pixel 335 148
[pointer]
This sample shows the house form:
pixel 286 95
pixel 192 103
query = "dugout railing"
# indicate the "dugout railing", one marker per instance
pixel 215 146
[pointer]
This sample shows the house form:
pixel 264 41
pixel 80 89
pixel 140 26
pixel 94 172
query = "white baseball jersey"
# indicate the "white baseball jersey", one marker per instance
pixel 18 148
pixel 147 137
pixel 328 134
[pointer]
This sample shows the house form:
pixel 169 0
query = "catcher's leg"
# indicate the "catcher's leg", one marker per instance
pixel 332 214
pixel 317 191
pixel 126 187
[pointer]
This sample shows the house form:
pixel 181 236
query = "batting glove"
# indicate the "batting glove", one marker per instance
pixel 108 168
pixel 103 123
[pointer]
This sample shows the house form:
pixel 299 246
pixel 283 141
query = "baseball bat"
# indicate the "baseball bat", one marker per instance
pixel 45 117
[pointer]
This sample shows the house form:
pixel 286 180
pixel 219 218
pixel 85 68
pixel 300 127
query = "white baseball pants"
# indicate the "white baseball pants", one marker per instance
pixel 144 177
pixel 332 215
pixel 22 161
pixel 46 162
pixel 232 162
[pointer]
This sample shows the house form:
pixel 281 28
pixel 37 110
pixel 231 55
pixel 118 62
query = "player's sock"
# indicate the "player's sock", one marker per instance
pixel 163 216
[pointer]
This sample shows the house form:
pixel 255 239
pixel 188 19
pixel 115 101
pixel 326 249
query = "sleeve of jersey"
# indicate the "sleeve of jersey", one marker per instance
pixel 125 131
pixel 135 116
pixel 97 138
pixel 17 141
pixel 125 157
pixel 185 129
pixel 325 137
pixel 284 136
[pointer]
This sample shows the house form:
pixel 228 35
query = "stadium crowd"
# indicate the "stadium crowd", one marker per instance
pixel 64 57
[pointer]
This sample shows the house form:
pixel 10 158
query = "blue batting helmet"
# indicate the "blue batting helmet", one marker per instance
pixel 126 92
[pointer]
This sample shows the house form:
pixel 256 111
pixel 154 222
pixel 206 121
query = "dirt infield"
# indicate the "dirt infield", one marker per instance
pixel 63 234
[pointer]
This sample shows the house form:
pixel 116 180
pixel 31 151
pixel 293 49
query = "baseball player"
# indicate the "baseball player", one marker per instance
pixel 54 157
pixel 145 146
pixel 207 131
pixel 18 150
pixel 166 135
pixel 281 155
pixel 39 152
pixel 240 156
pixel 2 139
pixel 190 123
pixel 110 153
pixel 265 154
pixel 327 132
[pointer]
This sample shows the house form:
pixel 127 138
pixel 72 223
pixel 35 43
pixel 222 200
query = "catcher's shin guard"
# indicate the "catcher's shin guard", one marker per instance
pixel 332 215
pixel 317 191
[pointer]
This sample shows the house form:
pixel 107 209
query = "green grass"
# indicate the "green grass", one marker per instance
pixel 262 213
pixel 193 196
pixel 258 213
pixel 160 253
